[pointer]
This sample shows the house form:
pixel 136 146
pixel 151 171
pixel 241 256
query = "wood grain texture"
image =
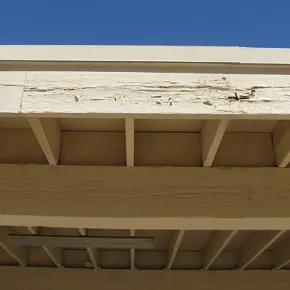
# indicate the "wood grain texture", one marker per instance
pixel 137 197
pixel 76 279
pixel 69 93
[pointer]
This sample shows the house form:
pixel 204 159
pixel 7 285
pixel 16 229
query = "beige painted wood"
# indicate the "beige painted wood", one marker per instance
pixel 168 125
pixel 93 148
pixel 246 150
pixel 217 243
pixel 132 251
pixel 18 253
pixel 160 54
pixel 281 137
pixel 54 253
pixel 76 279
pixel 144 198
pixel 98 93
pixel 167 149
pixel 173 247
pixel 48 134
pixel 129 131
pixel 253 248
pixel 92 124
pixel 92 252
pixel 20 146
pixel 211 135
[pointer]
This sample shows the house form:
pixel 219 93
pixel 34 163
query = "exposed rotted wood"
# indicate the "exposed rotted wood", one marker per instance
pixel 253 248
pixel 217 243
pixel 173 247
pixel 92 252
pixel 281 136
pixel 55 254
pixel 144 198
pixel 18 253
pixel 211 135
pixel 77 279
pixel 48 134
pixel 155 93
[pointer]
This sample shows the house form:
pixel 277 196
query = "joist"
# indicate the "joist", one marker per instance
pixel 77 279
pixel 253 248
pixel 18 253
pixel 92 252
pixel 281 137
pixel 144 198
pixel 217 243
pixel 211 135
pixel 48 134
pixel 132 251
pixel 281 255
pixel 173 247
pixel 54 253
pixel 129 131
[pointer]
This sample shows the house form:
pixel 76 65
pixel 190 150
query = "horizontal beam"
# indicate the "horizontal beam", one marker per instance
pixel 187 54
pixel 82 242
pixel 144 197
pixel 77 279
pixel 138 95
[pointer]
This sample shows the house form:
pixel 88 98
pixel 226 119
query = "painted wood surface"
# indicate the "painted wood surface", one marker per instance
pixel 145 198
pixel 76 279
pixel 73 92
pixel 156 93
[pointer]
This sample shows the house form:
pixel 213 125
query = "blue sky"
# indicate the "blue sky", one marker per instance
pixel 255 23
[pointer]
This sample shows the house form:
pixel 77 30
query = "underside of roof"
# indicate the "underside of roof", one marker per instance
pixel 185 146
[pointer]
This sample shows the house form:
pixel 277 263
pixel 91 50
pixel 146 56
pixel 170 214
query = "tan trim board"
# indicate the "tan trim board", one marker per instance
pixel 77 279
pixel 187 54
pixel 144 197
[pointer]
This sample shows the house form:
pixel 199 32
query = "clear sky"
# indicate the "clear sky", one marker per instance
pixel 261 23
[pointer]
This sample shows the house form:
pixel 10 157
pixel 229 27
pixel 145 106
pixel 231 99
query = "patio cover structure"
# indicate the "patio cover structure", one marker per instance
pixel 144 168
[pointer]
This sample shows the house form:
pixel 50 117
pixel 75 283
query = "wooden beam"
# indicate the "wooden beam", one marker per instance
pixel 18 253
pixel 281 137
pixel 48 134
pixel 145 198
pixel 217 243
pixel 77 279
pixel 55 254
pixel 211 135
pixel 92 252
pixel 282 254
pixel 253 248
pixel 141 95
pixel 173 247
pixel 129 131
pixel 132 251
